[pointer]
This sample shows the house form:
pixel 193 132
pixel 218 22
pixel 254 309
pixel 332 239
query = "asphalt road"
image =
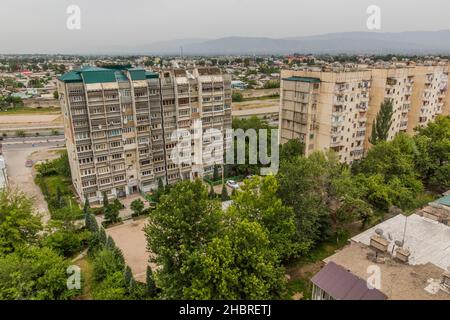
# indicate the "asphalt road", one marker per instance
pixel 21 177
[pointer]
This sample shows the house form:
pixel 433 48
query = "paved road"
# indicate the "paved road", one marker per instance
pixel 21 177
pixel 34 138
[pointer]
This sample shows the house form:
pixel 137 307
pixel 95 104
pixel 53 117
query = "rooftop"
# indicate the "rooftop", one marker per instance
pixel 303 79
pixel 92 74
pixel 343 285
pixel 428 242
pixel 426 239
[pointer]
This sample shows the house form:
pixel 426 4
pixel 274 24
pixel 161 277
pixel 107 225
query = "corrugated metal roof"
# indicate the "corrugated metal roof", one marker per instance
pixel 343 285
pixel 302 79
pixel 137 74
pixel 445 201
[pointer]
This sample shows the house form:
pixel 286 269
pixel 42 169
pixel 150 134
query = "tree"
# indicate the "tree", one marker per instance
pixel 150 281
pixel 212 193
pixel 258 201
pixel 105 263
pixel 105 200
pixel 137 206
pixel 86 206
pixel 102 236
pixel 237 264
pixel 33 273
pixel 55 95
pixel 388 176
pixel 302 186
pixel 184 220
pixel 291 149
pixel 383 122
pixel 432 159
pixel 216 173
pixel 64 237
pixel 18 223
pixel 237 97
pixel 128 276
pixel 224 195
pixel 111 214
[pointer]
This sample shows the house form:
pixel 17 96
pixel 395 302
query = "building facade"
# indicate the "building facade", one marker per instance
pixel 123 126
pixel 326 110
pixel 336 109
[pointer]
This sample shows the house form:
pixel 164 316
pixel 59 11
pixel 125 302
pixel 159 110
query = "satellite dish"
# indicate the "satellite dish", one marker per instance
pixel 379 232
pixel 399 243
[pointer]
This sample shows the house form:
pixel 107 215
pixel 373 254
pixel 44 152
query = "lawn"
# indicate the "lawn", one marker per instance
pixel 303 269
pixel 53 178
pixel 271 97
pixel 86 278
pixel 26 110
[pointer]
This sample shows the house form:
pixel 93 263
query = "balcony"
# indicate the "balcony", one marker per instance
pixel 335 143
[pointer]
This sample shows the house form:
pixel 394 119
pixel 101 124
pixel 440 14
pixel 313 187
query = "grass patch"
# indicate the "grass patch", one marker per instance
pixel 296 286
pixel 26 110
pixel 262 98
pixel 53 178
pixel 86 267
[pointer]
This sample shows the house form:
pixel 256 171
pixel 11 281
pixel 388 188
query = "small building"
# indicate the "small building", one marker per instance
pixel 238 84
pixel 409 254
pixel 334 282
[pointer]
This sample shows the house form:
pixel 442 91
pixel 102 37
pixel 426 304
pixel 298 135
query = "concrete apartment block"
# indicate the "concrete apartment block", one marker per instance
pixel 335 109
pixel 120 123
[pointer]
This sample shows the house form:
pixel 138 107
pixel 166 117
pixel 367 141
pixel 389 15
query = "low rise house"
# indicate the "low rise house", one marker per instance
pixel 407 257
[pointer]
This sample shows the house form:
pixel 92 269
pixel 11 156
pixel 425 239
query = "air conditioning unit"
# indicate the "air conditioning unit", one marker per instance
pixel 379 243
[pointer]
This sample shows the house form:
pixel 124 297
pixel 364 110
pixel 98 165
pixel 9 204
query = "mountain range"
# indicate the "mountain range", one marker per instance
pixel 411 42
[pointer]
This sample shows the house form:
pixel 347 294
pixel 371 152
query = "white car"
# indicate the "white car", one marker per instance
pixel 232 184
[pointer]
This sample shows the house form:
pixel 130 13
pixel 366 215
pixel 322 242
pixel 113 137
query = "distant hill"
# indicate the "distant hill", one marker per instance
pixel 414 42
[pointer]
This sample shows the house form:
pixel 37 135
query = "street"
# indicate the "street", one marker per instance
pixel 21 177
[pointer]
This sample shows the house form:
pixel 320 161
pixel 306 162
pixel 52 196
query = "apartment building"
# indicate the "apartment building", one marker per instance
pixel 396 85
pixel 123 124
pixel 326 110
pixel 429 97
pixel 335 109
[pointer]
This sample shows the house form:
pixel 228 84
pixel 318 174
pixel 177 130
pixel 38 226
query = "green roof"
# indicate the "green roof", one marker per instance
pixel 151 75
pixel 101 75
pixel 137 74
pixel 303 79
pixel 98 76
pixel 445 201
pixel 71 76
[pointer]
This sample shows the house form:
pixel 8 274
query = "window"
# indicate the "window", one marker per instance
pixel 102 159
pixel 115 144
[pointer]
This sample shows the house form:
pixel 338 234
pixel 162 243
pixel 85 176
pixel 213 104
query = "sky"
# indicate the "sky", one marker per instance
pixel 40 26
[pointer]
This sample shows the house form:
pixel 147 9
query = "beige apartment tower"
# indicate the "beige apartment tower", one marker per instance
pixel 335 109
pixel 326 110
pixel 123 124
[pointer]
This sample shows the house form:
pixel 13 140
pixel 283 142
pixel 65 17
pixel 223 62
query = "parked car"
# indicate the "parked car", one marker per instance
pixel 232 184
pixel 29 163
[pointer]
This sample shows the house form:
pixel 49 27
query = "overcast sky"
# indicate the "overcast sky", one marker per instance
pixel 40 25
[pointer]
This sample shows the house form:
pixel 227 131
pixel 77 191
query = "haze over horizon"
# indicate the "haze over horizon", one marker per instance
pixel 109 25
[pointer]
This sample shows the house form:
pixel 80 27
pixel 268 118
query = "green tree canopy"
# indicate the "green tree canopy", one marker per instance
pixel 383 122
pixel 18 223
